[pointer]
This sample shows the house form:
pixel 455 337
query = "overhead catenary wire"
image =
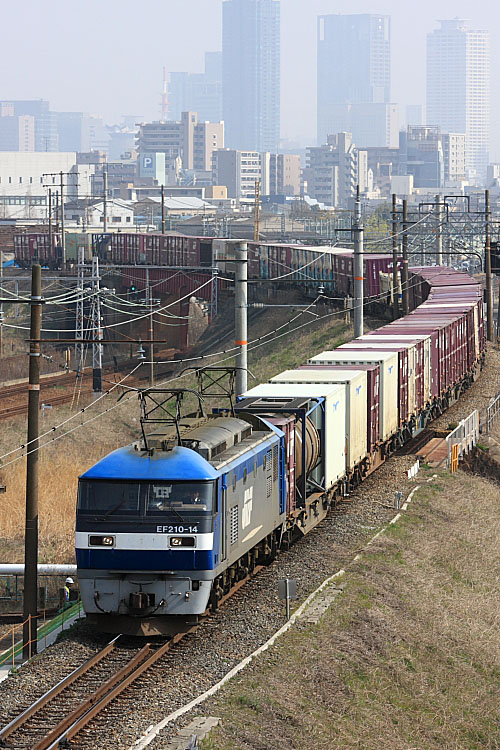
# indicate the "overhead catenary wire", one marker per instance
pixel 254 344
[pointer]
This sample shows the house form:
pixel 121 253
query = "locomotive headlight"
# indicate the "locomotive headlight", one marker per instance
pixel 182 541
pixel 101 541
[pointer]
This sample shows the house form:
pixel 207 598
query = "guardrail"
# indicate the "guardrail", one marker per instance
pixel 462 439
pixel 17 646
pixel 492 413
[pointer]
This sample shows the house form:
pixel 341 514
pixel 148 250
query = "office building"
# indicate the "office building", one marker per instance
pixel 17 132
pixel 353 67
pixel 458 88
pixel 44 120
pixel 284 175
pixel 198 92
pixel 251 74
pixel 187 139
pixel 239 171
pixel 421 155
pixel 81 132
pixel 332 171
pixel 454 155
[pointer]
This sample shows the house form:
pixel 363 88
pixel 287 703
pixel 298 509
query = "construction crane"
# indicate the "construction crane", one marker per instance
pixel 256 227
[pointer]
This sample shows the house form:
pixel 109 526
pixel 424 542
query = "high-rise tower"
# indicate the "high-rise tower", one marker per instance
pixel 458 87
pixel 251 74
pixel 354 69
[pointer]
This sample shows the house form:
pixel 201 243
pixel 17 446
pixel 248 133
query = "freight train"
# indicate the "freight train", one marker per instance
pixel 300 264
pixel 166 526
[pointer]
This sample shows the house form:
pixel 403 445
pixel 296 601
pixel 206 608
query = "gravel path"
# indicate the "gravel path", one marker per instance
pixel 245 622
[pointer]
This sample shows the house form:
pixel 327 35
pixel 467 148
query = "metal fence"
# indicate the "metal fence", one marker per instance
pixel 492 413
pixel 462 439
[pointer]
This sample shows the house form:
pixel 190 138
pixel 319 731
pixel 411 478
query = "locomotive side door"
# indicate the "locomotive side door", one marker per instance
pixel 223 519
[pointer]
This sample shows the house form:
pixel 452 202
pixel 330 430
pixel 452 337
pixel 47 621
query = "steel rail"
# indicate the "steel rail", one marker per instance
pixel 93 703
pixel 56 690
pixel 93 708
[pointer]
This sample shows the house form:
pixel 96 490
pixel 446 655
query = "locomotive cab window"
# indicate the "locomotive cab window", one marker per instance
pixel 104 498
pixel 108 498
pixel 180 496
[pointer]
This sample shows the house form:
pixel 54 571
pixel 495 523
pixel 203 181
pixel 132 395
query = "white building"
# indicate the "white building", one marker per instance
pixel 238 171
pixel 90 213
pixel 29 173
pixel 458 88
pixel 335 169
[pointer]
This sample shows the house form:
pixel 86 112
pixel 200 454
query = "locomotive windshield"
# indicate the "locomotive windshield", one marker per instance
pixel 106 498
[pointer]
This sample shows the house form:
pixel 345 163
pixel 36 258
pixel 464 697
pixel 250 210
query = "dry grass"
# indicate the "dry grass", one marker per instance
pixel 407 658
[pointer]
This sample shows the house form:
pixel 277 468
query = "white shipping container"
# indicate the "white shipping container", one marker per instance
pixel 358 344
pixel 403 338
pixel 332 419
pixel 388 362
pixel 356 404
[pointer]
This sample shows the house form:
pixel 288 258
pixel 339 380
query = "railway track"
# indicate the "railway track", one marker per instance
pixel 18 392
pixel 66 709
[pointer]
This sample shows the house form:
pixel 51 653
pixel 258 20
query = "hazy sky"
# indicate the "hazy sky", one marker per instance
pixel 106 56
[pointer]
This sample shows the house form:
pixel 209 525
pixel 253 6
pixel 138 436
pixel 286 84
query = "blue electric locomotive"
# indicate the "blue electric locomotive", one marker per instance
pixel 164 528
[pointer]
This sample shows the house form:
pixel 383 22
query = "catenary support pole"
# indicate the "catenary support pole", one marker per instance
pixel 151 340
pixel 105 199
pixel 31 527
pixel 357 268
pixel 96 331
pixel 63 239
pixel 241 311
pixel 404 271
pixel 49 216
pixel 163 209
pixel 395 284
pixel 439 234
pixel 487 268
pixel 1 304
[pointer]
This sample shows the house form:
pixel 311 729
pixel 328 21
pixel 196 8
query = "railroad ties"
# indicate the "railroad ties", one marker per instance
pixel 68 707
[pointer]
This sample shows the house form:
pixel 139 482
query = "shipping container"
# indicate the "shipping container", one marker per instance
pixel 388 364
pixel 406 373
pixel 421 360
pixel 328 418
pixel 373 400
pixel 355 412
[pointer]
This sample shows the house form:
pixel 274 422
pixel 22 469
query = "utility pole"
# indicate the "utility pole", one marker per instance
pixel 163 209
pixel 79 332
pixel 357 268
pixel 487 268
pixel 63 239
pixel 57 212
pixel 1 303
pixel 96 331
pixel 151 340
pixel 105 199
pixel 404 271
pixel 51 242
pixel 30 610
pixel 241 311
pixel 439 235
pixel 395 285
pixel 256 221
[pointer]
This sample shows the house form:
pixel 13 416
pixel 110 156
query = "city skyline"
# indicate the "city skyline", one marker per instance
pixel 83 84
